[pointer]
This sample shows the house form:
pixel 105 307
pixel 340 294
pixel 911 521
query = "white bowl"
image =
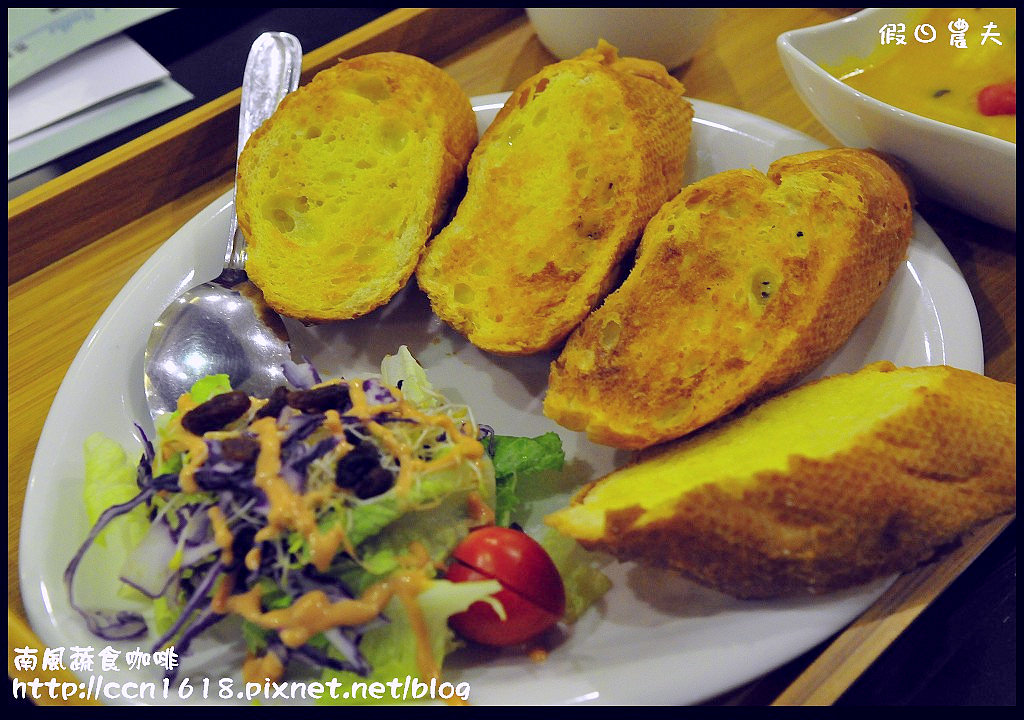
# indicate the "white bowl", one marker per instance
pixel 967 170
pixel 670 36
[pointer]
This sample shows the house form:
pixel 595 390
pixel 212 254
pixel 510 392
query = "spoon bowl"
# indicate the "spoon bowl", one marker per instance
pixel 225 326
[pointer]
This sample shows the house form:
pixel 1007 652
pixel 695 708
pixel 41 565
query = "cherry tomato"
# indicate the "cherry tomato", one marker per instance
pixel 532 591
pixel 998 99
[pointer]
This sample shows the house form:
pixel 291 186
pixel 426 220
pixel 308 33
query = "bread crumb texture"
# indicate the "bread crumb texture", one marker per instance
pixel 830 485
pixel 340 189
pixel 560 187
pixel 742 283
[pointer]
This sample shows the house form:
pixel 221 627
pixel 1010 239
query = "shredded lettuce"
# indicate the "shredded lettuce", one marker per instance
pixel 432 514
pixel 256 638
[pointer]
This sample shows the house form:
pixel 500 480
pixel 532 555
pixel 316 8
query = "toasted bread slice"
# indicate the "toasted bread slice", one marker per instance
pixel 830 485
pixel 742 283
pixel 560 187
pixel 340 189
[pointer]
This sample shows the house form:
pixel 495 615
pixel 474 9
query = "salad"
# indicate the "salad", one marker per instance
pixel 345 526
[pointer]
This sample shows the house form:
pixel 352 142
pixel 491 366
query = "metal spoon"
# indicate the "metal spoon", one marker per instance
pixel 224 326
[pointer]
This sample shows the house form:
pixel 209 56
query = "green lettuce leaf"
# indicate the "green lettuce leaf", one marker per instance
pixel 209 386
pixel 516 457
pixel 110 479
pixel 402 371
pixel 391 649
pixel 584 582
pixel 438 529
pixel 368 520
pixel 162 615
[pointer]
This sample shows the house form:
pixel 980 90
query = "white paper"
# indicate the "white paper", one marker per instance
pixel 39 37
pixel 36 149
pixel 91 76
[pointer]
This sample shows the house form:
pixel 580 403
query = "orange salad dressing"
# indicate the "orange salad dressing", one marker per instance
pixel 260 669
pixel 222 534
pixel 181 440
pixel 313 613
pixel 466 447
pixel 290 510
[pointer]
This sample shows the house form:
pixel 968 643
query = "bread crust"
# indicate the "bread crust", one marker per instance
pixel 902 493
pixel 339 191
pixel 743 283
pixel 549 215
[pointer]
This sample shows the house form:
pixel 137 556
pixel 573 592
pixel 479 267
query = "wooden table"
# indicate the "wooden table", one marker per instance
pixel 74 242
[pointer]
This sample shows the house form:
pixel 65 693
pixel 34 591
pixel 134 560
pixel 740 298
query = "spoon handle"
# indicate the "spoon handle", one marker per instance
pixel 271 72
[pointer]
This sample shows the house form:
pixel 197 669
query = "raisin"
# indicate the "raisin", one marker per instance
pixel 321 399
pixel 374 483
pixel 360 471
pixel 242 542
pixel 242 448
pixel 216 412
pixel 275 403
pixel 354 464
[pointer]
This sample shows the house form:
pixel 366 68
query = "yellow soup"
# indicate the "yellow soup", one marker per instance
pixel 938 79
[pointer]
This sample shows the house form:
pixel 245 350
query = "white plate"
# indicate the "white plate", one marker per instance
pixel 655 638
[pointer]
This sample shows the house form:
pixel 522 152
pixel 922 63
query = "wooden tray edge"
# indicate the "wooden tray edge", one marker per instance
pixel 71 211
pixel 856 648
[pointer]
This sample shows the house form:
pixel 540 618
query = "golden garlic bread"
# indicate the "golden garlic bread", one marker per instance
pixel 742 283
pixel 339 191
pixel 829 485
pixel 560 187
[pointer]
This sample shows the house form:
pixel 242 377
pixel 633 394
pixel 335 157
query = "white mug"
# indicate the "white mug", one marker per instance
pixel 670 36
